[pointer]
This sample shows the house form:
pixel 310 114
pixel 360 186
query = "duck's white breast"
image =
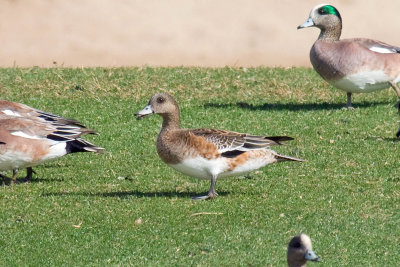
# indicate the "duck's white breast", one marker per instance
pixel 200 167
pixel 14 159
pixel 363 82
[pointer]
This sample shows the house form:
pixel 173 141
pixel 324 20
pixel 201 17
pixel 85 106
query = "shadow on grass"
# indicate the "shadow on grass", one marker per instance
pixel 387 139
pixel 6 181
pixel 128 194
pixel 293 106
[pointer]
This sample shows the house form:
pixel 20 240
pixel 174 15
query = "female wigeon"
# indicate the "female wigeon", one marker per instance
pixel 208 153
pixel 29 137
pixel 353 65
pixel 300 251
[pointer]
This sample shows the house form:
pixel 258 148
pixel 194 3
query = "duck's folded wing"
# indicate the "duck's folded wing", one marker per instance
pixel 226 141
pixel 37 130
pixel 12 109
pixel 379 47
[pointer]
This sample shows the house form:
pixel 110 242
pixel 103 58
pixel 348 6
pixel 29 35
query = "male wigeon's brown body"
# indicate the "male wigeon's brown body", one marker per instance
pixel 208 153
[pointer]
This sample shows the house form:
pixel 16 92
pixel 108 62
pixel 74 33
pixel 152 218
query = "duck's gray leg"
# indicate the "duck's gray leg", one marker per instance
pixel 14 177
pixel 349 105
pixel 211 193
pixel 29 173
pixel 397 90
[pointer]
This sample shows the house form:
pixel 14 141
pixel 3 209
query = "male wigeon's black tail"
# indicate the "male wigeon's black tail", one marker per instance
pixel 80 145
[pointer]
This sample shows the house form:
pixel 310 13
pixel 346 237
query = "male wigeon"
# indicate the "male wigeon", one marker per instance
pixel 300 251
pixel 29 137
pixel 207 153
pixel 354 65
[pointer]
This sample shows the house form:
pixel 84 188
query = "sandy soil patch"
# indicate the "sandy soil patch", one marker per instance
pixel 177 32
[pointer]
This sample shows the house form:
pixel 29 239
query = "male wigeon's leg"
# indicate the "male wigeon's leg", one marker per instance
pixel 211 193
pixel 397 90
pixel 348 105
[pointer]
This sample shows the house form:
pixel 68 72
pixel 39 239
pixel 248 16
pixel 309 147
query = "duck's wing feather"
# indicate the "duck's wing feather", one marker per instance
pixel 9 109
pixel 227 141
pixel 378 46
pixel 39 130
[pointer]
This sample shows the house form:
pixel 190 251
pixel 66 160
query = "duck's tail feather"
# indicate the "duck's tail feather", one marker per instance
pixel 80 145
pixel 288 158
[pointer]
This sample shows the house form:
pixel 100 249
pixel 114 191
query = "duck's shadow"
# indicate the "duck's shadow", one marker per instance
pixel 6 181
pixel 293 106
pixel 386 139
pixel 130 194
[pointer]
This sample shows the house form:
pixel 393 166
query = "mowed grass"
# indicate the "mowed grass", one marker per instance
pixel 126 207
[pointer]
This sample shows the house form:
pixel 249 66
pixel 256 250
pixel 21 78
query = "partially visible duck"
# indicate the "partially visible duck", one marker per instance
pixel 9 109
pixel 208 153
pixel 300 251
pixel 356 65
pixel 29 137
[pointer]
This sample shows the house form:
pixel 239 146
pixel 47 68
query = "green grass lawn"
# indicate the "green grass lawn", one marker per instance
pixel 126 207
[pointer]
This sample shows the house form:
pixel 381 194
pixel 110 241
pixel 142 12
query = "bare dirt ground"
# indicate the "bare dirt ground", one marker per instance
pixel 177 32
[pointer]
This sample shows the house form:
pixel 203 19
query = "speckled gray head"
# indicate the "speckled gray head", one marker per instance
pixel 322 16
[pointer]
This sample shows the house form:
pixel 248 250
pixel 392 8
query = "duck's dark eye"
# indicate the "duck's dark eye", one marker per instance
pixel 160 100
pixel 328 10
pixel 321 11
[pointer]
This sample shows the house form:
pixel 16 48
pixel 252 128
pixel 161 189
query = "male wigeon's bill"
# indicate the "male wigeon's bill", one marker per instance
pixel 208 153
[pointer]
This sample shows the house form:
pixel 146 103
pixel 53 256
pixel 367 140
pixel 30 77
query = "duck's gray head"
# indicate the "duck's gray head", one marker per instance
pixel 300 251
pixel 323 16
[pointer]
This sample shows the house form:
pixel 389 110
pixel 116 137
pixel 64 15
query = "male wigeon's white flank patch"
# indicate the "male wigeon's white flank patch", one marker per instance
pixel 382 50
pixel 11 113
pixel 363 82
